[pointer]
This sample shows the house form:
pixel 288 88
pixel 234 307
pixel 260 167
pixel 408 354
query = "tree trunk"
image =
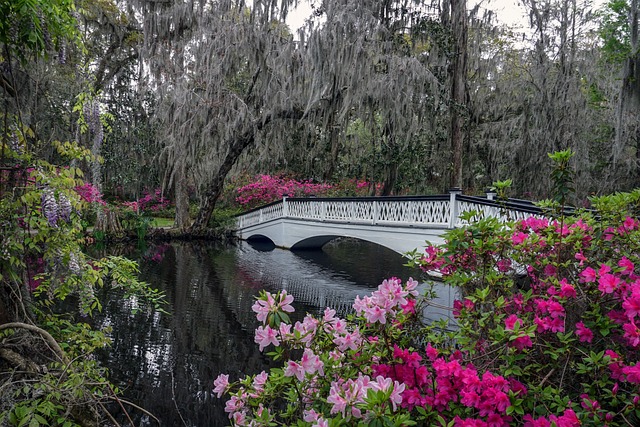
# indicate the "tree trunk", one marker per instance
pixel 236 147
pixel 458 88
pixel 182 198
pixel 629 89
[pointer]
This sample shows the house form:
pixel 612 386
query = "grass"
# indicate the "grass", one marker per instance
pixel 162 222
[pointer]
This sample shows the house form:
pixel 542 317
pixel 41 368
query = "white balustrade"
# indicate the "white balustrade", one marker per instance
pixel 413 212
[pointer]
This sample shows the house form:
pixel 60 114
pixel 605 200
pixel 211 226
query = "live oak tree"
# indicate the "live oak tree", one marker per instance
pixel 232 77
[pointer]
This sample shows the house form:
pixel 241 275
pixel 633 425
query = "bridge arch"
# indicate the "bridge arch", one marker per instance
pixel 314 242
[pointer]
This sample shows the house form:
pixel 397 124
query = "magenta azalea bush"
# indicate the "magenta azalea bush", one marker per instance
pixel 548 334
pixel 270 188
pixel 150 202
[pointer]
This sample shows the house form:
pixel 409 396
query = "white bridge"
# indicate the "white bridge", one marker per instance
pixel 401 224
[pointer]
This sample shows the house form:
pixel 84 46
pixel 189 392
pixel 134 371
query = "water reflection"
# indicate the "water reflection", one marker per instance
pixel 167 363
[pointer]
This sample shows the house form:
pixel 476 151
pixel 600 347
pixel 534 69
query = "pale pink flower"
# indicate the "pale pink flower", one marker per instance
pixel 349 340
pixel 260 380
pixel 265 336
pixel 263 307
pixel 239 418
pixel 311 363
pixel 221 383
pixel 339 402
pixel 375 314
pixel 235 404
pixel 310 415
pixel 321 422
pixel 294 369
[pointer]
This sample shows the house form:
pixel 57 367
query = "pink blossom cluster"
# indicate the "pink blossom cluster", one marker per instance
pixel 89 193
pixel 268 188
pixel 561 289
pixel 149 202
pixel 327 343
pixel 387 300
pixel 437 383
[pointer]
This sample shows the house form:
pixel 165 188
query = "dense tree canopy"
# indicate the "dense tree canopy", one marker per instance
pixel 416 95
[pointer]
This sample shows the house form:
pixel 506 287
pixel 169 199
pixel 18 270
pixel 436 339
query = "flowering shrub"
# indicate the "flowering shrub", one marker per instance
pixel 90 194
pixel 267 189
pixel 149 202
pixel 548 335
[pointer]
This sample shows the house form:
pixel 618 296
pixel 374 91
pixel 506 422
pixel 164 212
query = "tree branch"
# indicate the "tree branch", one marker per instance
pixel 44 334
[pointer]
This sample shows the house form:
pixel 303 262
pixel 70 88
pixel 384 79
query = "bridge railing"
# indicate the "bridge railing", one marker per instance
pixel 507 210
pixel 410 211
pixel 262 214
pixel 407 211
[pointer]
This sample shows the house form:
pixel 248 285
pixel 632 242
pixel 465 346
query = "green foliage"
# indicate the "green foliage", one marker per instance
pixel 42 270
pixel 224 218
pixel 36 26
pixel 562 182
pixel 614 31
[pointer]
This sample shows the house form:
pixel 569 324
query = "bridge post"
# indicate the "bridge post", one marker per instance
pixel 374 220
pixel 453 206
pixel 285 208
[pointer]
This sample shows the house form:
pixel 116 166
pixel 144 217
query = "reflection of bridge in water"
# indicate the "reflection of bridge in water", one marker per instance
pixel 309 283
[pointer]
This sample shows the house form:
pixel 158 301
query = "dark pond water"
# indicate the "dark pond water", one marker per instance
pixel 166 363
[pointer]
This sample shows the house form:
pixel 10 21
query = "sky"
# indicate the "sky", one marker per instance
pixel 507 11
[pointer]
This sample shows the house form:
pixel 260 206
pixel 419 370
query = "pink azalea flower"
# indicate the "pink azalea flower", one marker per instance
pixel 529 421
pixel 627 265
pixel 265 336
pixel 510 322
pixel 518 238
pixel 311 363
pixel 588 275
pixel 608 283
pixel 632 334
pixel 348 341
pixel 221 383
pixel 260 380
pixel 630 224
pixel 604 269
pixel 632 373
pixel 321 422
pixel 432 352
pixel 339 403
pixel 631 305
pixel 375 314
pixel 555 309
pixel 583 333
pixel 567 290
pixel 522 342
pixel 294 369
pixel 239 418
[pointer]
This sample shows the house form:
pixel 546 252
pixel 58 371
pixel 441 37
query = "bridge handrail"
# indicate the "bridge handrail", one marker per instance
pixel 390 210
pixel 411 210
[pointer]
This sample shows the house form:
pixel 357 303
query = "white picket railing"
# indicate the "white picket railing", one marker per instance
pixel 427 211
